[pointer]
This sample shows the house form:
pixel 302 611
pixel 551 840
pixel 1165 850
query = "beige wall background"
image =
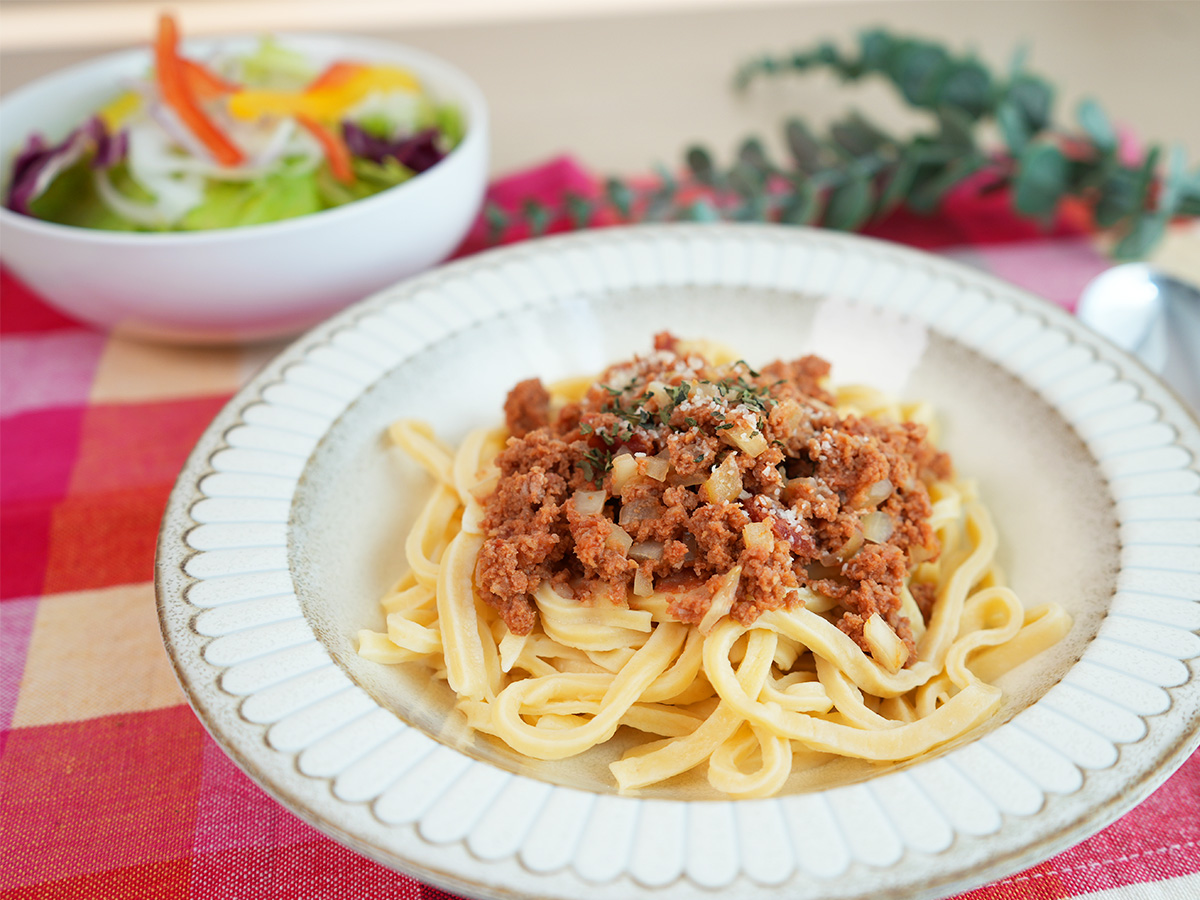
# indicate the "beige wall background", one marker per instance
pixel 624 84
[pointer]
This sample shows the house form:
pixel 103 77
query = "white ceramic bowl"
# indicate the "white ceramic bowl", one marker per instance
pixel 247 283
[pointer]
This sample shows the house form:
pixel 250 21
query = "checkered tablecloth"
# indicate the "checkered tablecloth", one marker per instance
pixel 109 786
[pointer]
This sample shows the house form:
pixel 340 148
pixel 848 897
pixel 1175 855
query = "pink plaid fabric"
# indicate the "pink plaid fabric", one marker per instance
pixel 109 786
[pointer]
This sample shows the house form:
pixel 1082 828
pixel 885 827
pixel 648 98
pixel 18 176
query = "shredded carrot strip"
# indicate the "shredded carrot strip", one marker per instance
pixel 335 148
pixel 177 93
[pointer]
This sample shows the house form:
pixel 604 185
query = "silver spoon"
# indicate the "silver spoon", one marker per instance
pixel 1153 316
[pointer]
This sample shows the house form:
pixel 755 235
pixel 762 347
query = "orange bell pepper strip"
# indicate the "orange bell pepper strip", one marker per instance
pixel 177 93
pixel 335 148
pixel 204 82
pixel 336 75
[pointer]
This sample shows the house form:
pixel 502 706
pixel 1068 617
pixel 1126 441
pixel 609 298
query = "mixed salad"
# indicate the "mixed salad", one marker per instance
pixel 234 140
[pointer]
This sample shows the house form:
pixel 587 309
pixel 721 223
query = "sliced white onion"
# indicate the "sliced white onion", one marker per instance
pixel 141 213
pixel 172 129
pixel 57 165
pixel 273 146
pixel 589 503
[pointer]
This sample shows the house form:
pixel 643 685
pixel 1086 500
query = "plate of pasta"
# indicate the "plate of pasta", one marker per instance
pixel 676 559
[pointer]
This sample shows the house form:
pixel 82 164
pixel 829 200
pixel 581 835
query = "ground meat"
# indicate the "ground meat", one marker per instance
pixel 924 594
pixel 801 378
pixel 846 465
pixel 692 452
pixel 717 528
pixel 809 473
pixel 767 583
pixel 878 572
pixel 527 407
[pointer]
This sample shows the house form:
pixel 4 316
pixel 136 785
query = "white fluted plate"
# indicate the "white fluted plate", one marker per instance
pixel 286 526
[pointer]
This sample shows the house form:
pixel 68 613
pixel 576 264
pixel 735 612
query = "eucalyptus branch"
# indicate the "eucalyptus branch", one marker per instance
pixel 856 172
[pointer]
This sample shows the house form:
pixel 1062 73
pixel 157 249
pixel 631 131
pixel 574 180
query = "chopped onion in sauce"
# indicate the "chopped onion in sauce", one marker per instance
pixel 879 491
pixel 877 527
pixel 885 645
pixel 589 503
pixel 656 467
pixel 618 539
pixel 624 467
pixel 643 583
pixel 638 510
pixel 646 550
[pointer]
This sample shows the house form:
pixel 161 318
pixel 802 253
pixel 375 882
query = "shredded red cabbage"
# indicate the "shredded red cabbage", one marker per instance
pixel 38 164
pixel 418 152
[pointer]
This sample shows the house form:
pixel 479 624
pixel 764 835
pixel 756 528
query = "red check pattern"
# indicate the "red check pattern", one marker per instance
pixel 109 786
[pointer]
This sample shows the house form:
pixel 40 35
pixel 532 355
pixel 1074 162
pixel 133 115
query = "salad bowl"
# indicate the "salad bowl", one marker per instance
pixel 253 282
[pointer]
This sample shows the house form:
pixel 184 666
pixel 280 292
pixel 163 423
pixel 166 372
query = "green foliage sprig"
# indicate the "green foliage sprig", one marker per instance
pixel 856 172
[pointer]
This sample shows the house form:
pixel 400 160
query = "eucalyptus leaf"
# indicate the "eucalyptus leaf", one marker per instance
pixel 931 186
pixel 898 184
pixel 700 164
pixel 666 181
pixel 875 47
pixel 1118 198
pixel 1174 182
pixel 919 70
pixel 1013 127
pixel 967 88
pixel 1033 98
pixel 497 221
pixel 858 137
pixel 1095 122
pixel 620 196
pixel 754 154
pixel 754 209
pixel 955 129
pixel 1147 231
pixel 746 179
pixel 803 207
pixel 702 210
pixel 580 210
pixel 849 205
pixel 537 215
pixel 805 149
pixel 1041 179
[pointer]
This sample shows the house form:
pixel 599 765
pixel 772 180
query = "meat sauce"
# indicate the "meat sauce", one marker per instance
pixel 687 455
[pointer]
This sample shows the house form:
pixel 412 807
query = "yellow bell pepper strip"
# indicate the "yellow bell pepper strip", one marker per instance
pixel 325 99
pixel 119 109
pixel 177 94
pixel 335 148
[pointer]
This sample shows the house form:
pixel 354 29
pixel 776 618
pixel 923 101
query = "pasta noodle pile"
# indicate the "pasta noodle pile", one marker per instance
pixel 754 690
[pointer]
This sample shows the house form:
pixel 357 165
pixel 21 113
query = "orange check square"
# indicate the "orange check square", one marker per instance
pixel 138 445
pixel 100 540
